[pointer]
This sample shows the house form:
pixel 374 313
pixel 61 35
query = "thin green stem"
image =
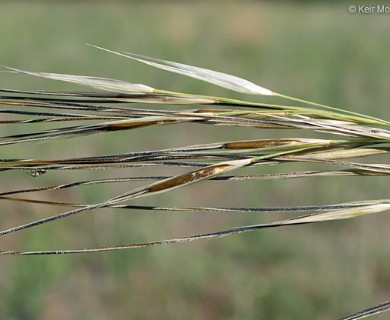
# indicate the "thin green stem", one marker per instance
pixel 376 120
pixel 337 114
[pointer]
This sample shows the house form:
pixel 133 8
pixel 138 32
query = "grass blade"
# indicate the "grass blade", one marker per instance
pixel 106 84
pixel 373 207
pixel 380 308
pixel 218 78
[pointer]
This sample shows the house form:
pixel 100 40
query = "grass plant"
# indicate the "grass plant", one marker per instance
pixel 349 135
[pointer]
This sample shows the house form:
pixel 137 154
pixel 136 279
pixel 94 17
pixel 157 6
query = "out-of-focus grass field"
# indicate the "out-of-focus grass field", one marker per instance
pixel 318 52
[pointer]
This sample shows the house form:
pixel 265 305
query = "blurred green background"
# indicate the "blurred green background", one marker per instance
pixel 316 51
